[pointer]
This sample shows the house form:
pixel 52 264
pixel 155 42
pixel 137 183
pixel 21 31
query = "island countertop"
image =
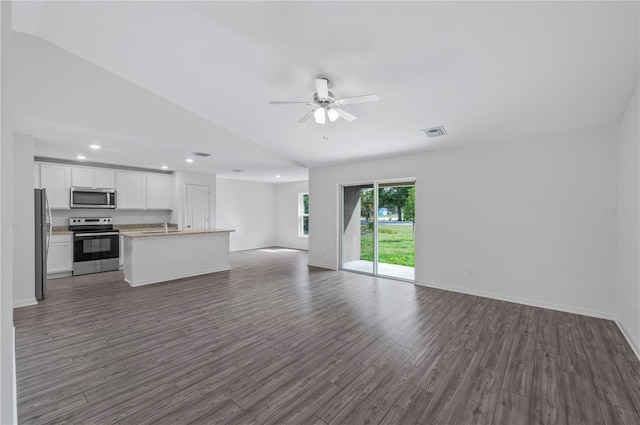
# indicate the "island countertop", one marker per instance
pixel 171 232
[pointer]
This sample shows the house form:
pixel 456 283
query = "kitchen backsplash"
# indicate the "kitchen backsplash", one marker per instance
pixel 61 217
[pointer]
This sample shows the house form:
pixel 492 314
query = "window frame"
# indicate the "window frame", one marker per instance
pixel 302 214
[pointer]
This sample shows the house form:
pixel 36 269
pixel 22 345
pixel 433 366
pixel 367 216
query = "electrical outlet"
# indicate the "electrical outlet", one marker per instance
pixel 467 272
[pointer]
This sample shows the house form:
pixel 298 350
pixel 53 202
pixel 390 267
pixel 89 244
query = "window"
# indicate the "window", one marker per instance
pixel 303 215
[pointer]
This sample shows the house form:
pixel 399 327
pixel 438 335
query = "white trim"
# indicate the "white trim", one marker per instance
pixel 25 303
pixel 15 379
pixel 302 215
pixel 322 266
pixel 178 276
pixel 376 225
pixel 58 275
pixel 627 335
pixel 518 300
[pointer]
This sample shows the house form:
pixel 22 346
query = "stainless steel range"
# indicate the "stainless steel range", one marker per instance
pixel 96 245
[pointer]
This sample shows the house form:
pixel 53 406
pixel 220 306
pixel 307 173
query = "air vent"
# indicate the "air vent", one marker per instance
pixel 201 154
pixel 236 170
pixel 435 131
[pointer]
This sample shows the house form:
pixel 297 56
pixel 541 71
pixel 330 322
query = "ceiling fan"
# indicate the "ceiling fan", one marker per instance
pixel 326 105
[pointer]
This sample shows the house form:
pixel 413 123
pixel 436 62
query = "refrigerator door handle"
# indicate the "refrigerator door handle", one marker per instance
pixel 50 233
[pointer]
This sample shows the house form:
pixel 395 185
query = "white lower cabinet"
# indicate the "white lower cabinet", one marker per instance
pixel 60 257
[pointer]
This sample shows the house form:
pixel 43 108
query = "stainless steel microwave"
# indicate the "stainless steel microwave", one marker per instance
pixel 86 197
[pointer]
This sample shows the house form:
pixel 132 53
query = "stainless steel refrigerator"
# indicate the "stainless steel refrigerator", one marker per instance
pixel 43 236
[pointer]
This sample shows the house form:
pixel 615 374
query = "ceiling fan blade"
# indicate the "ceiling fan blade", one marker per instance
pixel 286 102
pixel 307 115
pixel 322 87
pixel 358 99
pixel 344 114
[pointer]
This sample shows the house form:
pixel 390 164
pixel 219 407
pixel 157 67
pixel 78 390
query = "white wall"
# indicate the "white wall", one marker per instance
pixel 527 217
pixel 8 412
pixel 24 217
pixel 628 217
pixel 180 181
pixel 250 209
pixel 287 215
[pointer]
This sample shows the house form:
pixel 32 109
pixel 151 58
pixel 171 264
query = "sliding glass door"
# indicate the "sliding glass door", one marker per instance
pixel 378 228
pixel 357 228
pixel 395 230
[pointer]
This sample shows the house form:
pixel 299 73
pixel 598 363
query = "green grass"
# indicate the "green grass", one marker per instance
pixel 393 248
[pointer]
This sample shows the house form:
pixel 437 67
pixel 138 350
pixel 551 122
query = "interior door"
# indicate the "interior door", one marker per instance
pixel 197 207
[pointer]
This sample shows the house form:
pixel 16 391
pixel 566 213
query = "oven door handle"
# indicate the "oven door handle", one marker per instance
pixel 78 235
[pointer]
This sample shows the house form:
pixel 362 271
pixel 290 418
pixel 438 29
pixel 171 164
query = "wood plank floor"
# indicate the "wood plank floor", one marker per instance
pixel 276 342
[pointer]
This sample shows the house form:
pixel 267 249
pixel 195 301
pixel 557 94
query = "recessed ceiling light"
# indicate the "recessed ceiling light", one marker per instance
pixel 277 176
pixel 95 146
pixel 189 160
pixel 164 167
pixel 81 157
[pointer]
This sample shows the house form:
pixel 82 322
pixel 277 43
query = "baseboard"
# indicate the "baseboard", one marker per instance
pixel 59 275
pixel 627 335
pixel 25 303
pixel 524 301
pixel 177 276
pixel 322 266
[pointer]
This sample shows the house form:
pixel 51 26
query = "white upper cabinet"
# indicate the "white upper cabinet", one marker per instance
pixel 57 180
pixel 135 190
pixel 131 188
pixel 105 179
pixel 158 192
pixel 81 177
pixel 92 177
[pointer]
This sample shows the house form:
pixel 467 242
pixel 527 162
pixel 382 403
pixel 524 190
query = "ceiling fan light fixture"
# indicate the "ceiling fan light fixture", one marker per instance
pixel 320 116
pixel 332 114
pixel 326 104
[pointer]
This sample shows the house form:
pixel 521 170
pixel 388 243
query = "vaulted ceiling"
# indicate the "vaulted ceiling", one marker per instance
pixel 486 71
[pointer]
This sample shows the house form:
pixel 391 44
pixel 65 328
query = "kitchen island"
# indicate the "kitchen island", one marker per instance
pixel 152 256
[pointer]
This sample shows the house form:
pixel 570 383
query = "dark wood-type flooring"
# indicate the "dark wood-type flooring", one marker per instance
pixel 276 342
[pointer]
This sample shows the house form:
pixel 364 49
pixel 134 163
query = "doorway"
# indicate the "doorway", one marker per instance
pixel 378 231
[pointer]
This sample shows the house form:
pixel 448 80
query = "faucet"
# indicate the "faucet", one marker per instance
pixel 165 227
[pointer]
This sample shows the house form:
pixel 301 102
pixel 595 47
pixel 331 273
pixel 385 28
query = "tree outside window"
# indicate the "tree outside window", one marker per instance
pixel 303 215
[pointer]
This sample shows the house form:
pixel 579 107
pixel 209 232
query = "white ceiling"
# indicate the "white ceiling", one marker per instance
pixel 486 71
